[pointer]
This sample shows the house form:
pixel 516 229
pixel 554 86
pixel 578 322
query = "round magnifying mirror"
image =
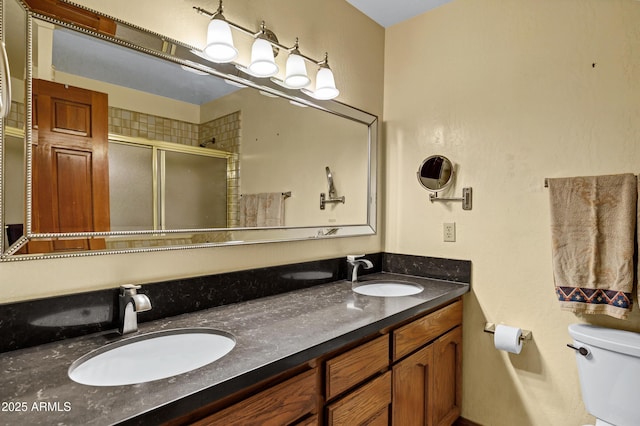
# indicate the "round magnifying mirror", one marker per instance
pixel 435 173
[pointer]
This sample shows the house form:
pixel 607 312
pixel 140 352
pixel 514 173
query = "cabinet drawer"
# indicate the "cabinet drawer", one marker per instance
pixel 311 421
pixel 367 404
pixel 281 404
pixel 357 365
pixel 410 337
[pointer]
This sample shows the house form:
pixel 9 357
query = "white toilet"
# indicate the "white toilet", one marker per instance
pixel 609 369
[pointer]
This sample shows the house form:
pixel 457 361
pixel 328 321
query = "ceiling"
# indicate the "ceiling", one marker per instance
pixel 90 57
pixel 390 12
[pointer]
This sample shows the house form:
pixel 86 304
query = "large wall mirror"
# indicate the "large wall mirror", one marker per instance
pixel 124 140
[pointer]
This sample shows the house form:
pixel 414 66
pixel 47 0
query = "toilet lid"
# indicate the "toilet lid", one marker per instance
pixel 621 341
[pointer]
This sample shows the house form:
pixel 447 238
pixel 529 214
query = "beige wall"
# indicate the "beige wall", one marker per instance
pixel 356 48
pixel 507 90
pixel 273 158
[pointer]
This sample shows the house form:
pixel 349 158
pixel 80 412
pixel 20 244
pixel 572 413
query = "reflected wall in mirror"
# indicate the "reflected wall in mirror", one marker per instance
pixel 186 152
pixel 435 173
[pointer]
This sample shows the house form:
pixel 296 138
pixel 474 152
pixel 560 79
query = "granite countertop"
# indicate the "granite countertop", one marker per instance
pixel 272 335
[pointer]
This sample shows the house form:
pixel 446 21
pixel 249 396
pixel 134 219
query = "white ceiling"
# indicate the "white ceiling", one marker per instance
pixel 98 60
pixel 89 57
pixel 390 12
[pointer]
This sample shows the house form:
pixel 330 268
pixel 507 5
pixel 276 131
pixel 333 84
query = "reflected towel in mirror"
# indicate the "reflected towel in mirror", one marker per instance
pixel 264 209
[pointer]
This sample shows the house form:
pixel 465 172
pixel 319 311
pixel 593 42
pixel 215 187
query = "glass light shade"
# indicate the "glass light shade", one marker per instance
pixel 219 46
pixel 296 72
pixel 262 61
pixel 325 85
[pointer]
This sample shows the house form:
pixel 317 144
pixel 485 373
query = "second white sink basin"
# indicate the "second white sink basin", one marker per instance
pixel 151 356
pixel 387 288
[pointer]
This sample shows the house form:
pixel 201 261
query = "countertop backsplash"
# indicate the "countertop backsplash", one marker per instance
pixel 40 321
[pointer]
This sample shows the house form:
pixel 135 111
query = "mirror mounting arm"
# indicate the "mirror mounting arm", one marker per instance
pixel 333 194
pixel 466 198
pixel 324 200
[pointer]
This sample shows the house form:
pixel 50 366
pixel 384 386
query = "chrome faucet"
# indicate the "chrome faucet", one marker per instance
pixel 355 261
pixel 130 303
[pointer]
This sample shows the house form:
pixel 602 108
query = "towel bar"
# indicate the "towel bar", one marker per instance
pixel 546 182
pixel 491 328
pixel 284 194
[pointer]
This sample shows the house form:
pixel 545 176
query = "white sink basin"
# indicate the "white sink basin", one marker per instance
pixel 151 356
pixel 387 288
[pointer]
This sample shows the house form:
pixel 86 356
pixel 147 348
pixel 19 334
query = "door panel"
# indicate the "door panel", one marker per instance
pixel 70 165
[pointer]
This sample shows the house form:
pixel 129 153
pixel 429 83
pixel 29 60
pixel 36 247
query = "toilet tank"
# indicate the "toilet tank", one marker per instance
pixel 609 373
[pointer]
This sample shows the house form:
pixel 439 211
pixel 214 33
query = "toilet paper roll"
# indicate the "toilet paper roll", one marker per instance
pixel 507 339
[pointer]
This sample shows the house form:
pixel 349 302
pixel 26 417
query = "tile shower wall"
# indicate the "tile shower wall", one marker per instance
pixel 222 133
pixel 16 116
pixel 139 125
pixel 226 131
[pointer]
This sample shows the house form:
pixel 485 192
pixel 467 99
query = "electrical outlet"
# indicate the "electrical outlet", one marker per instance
pixel 449 232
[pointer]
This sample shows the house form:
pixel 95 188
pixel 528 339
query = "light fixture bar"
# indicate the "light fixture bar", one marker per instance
pixel 253 34
pixel 265 48
pixel 211 15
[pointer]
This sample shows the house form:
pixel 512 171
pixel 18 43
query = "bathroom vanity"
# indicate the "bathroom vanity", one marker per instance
pixel 420 384
pixel 320 355
pixel 308 349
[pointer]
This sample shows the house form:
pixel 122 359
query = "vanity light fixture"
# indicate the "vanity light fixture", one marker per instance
pixel 220 49
pixel 220 46
pixel 263 62
pixel 325 83
pixel 296 72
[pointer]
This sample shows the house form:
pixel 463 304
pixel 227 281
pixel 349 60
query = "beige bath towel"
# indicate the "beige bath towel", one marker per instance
pixel 264 209
pixel 593 222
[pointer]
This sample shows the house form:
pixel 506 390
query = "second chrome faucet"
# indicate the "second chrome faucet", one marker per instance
pixel 356 260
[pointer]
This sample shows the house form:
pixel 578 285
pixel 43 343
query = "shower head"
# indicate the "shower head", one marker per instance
pixel 205 144
pixel 332 189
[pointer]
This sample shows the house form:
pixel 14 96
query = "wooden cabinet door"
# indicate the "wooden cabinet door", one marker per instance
pixel 427 385
pixel 413 389
pixel 447 377
pixel 70 165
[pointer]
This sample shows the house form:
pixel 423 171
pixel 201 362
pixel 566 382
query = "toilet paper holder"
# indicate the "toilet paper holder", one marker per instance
pixel 491 328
